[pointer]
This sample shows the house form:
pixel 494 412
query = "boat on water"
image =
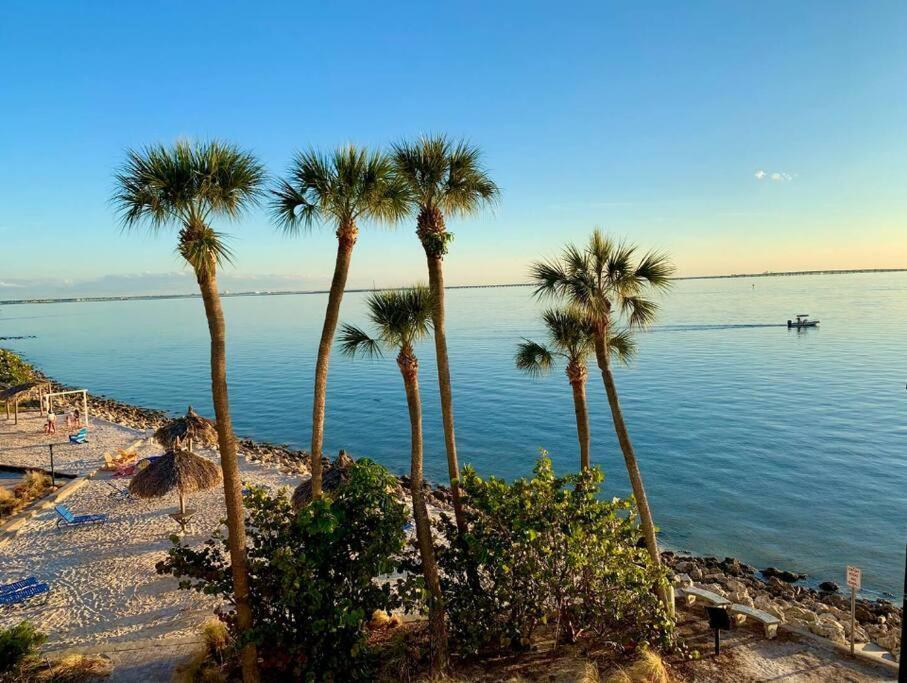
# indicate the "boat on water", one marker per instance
pixel 802 321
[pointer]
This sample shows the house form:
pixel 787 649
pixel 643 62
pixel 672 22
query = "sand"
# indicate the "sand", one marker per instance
pixel 103 583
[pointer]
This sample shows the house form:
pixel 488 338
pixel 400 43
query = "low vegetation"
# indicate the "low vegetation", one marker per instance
pixel 34 485
pixel 14 370
pixel 18 648
pixel 313 575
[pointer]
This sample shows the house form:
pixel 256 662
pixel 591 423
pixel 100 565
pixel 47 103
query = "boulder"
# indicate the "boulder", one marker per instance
pixel 695 573
pixel 828 628
pixel 789 577
pixel 800 615
pixel 891 642
pixel 828 587
pixel 682 580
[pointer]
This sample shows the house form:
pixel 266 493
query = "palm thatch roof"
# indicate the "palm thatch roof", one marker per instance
pixel 19 390
pixel 337 474
pixel 191 428
pixel 176 470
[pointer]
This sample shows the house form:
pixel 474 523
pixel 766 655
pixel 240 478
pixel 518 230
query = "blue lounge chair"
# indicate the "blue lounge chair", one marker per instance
pixel 80 436
pixel 23 594
pixel 69 519
pixel 18 585
pixel 117 490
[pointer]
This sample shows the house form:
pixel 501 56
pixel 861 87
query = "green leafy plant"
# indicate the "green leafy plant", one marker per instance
pixel 14 370
pixel 312 573
pixel 548 550
pixel 18 644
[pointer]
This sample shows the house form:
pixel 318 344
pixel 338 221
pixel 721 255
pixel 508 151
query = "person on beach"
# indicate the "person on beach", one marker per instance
pixel 74 419
pixel 50 427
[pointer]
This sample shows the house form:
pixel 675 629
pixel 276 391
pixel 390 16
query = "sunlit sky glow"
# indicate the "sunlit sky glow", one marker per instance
pixel 740 137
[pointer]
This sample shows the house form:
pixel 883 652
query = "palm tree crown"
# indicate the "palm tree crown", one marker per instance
pixel 402 318
pixel 444 177
pixel 605 276
pixel 345 185
pixel 187 184
pixel 571 337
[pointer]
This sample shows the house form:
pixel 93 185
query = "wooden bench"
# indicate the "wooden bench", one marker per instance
pixel 692 593
pixel 769 621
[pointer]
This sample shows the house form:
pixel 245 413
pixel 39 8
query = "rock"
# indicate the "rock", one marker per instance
pixel 828 587
pixel 695 573
pixel 715 588
pixel 683 580
pixel 714 577
pixel 789 577
pixel 800 615
pixel 891 642
pixel 683 567
pixel 830 629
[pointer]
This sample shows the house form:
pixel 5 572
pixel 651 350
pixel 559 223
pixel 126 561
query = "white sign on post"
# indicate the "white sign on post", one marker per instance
pixel 854 576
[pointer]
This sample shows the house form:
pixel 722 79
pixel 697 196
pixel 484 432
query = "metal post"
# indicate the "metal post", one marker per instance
pixel 853 618
pixel 53 477
pixel 902 669
pixel 717 642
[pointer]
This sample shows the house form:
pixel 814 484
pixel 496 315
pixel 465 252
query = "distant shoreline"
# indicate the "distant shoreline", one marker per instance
pixel 155 297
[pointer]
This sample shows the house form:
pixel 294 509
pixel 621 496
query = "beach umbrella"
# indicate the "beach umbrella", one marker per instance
pixel 337 474
pixel 177 470
pixel 185 431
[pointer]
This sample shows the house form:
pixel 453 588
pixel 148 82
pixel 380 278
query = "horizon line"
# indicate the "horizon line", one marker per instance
pixel 227 293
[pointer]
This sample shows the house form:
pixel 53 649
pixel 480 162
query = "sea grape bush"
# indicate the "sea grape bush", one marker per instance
pixel 312 573
pixel 548 550
pixel 18 644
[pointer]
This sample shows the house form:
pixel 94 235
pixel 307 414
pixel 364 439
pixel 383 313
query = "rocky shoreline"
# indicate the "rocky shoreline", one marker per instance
pixel 825 612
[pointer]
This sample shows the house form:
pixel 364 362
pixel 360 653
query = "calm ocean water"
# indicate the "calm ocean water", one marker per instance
pixel 778 447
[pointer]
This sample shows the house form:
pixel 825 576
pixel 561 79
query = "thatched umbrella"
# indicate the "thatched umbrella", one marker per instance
pixel 18 392
pixel 335 475
pixel 176 469
pixel 185 431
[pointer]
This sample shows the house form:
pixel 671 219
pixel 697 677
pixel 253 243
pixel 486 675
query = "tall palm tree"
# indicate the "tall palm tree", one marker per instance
pixel 445 178
pixel 340 188
pixel 186 186
pixel 605 280
pixel 571 338
pixel 402 318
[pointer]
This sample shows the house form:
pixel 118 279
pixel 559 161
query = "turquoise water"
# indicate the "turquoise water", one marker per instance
pixel 778 447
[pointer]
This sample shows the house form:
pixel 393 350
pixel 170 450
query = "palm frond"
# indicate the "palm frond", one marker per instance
pixel 203 248
pixel 622 346
pixel 402 316
pixel 570 331
pixel 656 269
pixel 356 342
pixel 638 311
pixel 532 358
pixel 445 175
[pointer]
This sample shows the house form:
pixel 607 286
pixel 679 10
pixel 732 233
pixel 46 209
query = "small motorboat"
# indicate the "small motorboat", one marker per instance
pixel 802 321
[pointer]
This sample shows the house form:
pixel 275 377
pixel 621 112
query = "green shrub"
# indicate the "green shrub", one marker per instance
pixel 312 573
pixel 548 550
pixel 17 644
pixel 14 370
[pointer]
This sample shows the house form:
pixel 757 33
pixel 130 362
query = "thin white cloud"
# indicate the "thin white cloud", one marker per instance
pixel 10 284
pixel 774 176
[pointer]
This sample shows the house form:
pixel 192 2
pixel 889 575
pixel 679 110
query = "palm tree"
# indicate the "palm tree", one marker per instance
pixel 571 338
pixel 185 186
pixel 402 318
pixel 444 177
pixel 605 280
pixel 340 188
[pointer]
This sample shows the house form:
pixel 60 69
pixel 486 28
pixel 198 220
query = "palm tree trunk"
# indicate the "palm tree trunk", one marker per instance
pixel 639 491
pixel 409 368
pixel 436 285
pixel 582 420
pixel 236 526
pixel 346 238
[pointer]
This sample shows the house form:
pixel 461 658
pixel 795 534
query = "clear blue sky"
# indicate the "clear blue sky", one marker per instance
pixel 663 122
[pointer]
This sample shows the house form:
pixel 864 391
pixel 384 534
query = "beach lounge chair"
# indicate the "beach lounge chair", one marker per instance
pixel 67 518
pixel 27 593
pixel 18 585
pixel 80 436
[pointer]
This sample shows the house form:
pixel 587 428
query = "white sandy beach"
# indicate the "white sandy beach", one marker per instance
pixel 103 583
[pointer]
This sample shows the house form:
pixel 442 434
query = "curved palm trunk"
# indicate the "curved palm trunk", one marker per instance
pixel 582 419
pixel 436 285
pixel 409 368
pixel 639 491
pixel 346 237
pixel 236 526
